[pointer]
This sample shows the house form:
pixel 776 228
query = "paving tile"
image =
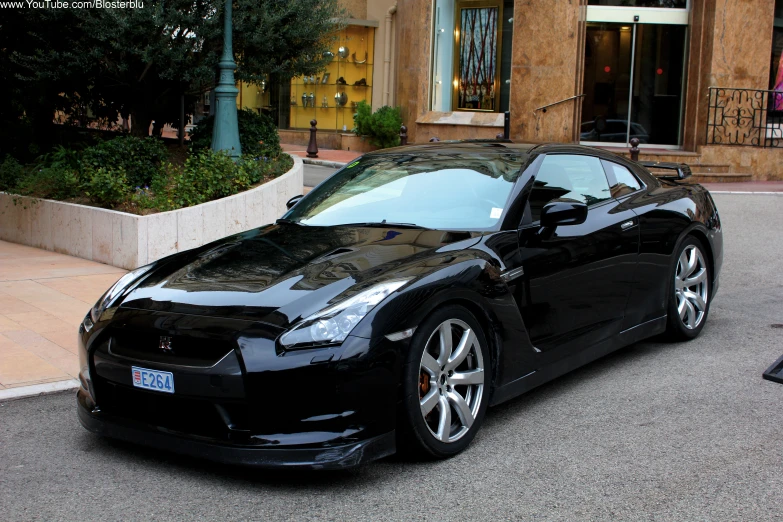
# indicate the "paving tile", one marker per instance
pixel 43 298
pixel 38 381
pixel 71 311
pixel 40 321
pixel 9 347
pixel 46 349
pixel 25 367
pixel 31 292
pixel 7 324
pixel 13 305
pixel 84 288
pixel 67 340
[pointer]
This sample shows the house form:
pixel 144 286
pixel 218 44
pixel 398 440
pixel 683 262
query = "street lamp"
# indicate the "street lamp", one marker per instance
pixel 225 132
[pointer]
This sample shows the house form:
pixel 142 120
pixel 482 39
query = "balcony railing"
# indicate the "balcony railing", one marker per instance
pixel 745 117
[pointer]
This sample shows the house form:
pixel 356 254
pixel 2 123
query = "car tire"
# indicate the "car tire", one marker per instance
pixel 690 291
pixel 445 387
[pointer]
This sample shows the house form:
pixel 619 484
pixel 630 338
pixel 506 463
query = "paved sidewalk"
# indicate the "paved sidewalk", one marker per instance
pixel 43 298
pixel 748 186
pixel 337 156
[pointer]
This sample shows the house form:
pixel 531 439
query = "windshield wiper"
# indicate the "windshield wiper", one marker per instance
pixel 383 224
pixel 290 222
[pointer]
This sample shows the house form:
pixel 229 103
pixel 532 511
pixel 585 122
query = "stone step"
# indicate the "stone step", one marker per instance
pixel 667 156
pixel 709 168
pixel 720 177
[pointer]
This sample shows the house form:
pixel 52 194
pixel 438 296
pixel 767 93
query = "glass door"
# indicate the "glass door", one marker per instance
pixel 607 85
pixel 659 79
pixel 634 76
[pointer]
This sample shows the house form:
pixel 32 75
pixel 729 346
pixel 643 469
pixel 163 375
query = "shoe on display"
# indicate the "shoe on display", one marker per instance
pixel 361 82
pixel 341 81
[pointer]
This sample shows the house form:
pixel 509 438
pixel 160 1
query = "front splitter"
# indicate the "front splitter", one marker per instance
pixel 335 457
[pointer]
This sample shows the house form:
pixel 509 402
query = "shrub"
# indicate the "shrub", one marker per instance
pixel 205 176
pixel 63 174
pixel 257 134
pixel 382 128
pixel 139 158
pixel 106 186
pixel 49 182
pixel 10 173
pixel 362 120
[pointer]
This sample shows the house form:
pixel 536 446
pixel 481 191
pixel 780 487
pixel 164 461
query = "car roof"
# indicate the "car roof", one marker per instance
pixel 469 147
pixel 498 146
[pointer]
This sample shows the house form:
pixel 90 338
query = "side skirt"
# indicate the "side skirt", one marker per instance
pixel 579 359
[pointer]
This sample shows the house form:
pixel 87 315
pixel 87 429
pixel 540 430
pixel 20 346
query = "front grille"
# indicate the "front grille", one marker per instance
pixel 184 350
pixel 226 420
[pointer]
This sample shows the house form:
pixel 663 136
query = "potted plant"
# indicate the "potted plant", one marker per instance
pixel 380 129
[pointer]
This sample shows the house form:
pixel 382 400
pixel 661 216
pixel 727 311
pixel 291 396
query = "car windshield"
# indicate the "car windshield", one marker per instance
pixel 439 191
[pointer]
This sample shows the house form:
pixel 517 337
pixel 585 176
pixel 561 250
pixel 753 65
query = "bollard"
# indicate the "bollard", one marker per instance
pixel 312 147
pixel 434 139
pixel 635 149
pixel 403 135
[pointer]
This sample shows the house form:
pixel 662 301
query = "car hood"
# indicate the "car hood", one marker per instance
pixel 282 273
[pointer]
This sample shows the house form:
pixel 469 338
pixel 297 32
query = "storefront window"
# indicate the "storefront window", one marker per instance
pixel 332 96
pixel 472 55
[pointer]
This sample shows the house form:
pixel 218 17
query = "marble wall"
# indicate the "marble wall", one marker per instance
pixel 741 43
pixel 546 67
pixel 355 8
pixel 413 32
pixel 378 10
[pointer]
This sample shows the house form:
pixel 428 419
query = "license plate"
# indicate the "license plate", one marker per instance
pixel 153 379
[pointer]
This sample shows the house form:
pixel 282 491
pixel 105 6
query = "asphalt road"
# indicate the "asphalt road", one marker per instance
pixel 655 431
pixel 314 174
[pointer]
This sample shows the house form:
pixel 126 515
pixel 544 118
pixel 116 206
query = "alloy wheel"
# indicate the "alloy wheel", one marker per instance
pixel 691 286
pixel 451 380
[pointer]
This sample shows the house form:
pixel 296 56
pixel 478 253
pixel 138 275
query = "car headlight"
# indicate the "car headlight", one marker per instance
pixel 333 324
pixel 99 311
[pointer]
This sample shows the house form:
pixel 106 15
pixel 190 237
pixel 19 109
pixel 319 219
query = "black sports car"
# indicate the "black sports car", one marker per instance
pixel 395 302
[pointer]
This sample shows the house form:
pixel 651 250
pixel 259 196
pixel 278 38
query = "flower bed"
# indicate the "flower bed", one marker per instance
pixel 128 240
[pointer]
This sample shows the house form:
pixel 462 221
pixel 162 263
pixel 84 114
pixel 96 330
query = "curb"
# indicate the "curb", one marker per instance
pixel 36 390
pixel 324 163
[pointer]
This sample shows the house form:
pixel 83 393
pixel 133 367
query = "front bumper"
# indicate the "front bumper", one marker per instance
pixel 336 457
pixel 238 399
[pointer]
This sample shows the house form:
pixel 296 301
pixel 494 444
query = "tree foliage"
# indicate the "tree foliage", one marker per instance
pixel 139 62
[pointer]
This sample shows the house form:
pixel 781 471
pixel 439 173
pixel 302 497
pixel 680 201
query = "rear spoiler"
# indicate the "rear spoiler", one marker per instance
pixel 682 170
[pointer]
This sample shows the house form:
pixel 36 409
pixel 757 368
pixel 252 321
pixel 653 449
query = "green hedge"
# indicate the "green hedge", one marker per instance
pixel 133 175
pixel 138 157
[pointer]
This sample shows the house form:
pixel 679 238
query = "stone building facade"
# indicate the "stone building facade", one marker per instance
pixel 693 80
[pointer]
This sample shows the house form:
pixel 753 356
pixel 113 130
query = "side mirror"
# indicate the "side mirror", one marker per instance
pixel 293 201
pixel 559 212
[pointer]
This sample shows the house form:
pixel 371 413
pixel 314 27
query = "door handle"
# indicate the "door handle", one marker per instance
pixel 628 224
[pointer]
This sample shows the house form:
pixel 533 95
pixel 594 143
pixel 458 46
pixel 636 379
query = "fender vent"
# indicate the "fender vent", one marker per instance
pixel 333 254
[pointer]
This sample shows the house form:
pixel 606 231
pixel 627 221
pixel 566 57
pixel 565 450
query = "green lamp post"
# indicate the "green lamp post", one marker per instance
pixel 225 132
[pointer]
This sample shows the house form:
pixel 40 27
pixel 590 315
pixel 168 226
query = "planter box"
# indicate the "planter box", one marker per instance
pixel 129 241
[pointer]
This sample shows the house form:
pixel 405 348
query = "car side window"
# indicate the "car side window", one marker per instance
pixel 566 176
pixel 622 180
